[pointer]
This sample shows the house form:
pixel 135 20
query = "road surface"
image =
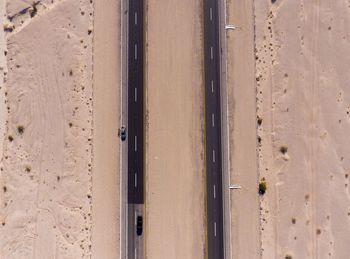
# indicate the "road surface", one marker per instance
pixel 135 102
pixel 135 127
pixel 213 130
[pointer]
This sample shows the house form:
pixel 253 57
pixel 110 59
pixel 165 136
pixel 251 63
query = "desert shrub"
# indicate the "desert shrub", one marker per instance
pixel 262 187
pixel 20 129
pixel 283 150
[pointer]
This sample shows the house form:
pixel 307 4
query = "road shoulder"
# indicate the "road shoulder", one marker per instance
pixel 242 130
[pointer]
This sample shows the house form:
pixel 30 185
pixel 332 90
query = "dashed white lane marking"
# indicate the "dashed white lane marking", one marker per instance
pixel 211 53
pixel 135 179
pixel 135 253
pixel 212 86
pixel 135 94
pixel 135 51
pixel 211 14
pixel 213 155
pixel 214 192
pixel 213 120
pixel 135 143
pixel 214 228
pixel 135 18
pixel 135 219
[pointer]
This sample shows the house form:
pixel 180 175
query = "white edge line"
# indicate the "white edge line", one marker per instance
pixel 214 228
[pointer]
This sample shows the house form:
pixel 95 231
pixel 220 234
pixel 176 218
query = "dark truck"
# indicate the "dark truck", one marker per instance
pixel 139 223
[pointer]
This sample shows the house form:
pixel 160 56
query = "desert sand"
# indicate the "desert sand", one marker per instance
pixel 46 157
pixel 175 208
pixel 3 109
pixel 288 112
pixel 302 75
pixel 106 145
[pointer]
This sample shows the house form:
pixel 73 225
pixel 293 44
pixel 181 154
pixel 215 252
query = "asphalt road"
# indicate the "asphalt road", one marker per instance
pixel 135 126
pixel 135 102
pixel 213 130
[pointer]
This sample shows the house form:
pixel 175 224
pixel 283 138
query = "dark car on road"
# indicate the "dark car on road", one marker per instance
pixel 122 133
pixel 139 223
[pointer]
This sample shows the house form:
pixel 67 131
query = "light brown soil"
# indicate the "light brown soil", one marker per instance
pixel 175 211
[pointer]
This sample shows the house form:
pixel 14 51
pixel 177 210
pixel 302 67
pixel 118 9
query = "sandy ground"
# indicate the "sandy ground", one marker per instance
pixel 175 211
pixel 106 196
pixel 59 129
pixel 303 55
pixel 3 68
pixel 242 130
pixel 46 163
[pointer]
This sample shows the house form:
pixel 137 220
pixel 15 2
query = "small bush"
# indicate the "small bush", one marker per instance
pixel 283 150
pixel 33 10
pixel 262 187
pixel 20 129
